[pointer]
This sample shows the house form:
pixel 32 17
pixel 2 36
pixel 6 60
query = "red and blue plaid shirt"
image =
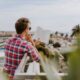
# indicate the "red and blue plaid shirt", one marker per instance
pixel 15 48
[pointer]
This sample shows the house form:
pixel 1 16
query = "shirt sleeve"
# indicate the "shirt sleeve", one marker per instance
pixel 32 51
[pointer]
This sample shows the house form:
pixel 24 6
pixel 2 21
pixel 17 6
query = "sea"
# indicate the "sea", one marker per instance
pixel 2 56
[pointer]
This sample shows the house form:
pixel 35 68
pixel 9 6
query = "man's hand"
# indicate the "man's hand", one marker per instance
pixel 29 38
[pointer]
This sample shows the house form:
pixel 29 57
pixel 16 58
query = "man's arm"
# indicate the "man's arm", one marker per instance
pixel 32 51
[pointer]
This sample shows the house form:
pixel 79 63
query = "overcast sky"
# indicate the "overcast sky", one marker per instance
pixel 55 15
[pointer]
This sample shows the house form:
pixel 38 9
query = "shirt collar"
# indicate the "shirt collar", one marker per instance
pixel 20 36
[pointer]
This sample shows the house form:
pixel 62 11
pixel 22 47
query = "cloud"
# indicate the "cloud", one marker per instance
pixel 46 13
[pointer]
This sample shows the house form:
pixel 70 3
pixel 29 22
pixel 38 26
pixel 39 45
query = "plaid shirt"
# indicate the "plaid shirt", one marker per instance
pixel 15 48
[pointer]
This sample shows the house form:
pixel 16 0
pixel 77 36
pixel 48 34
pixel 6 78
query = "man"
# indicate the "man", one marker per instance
pixel 17 46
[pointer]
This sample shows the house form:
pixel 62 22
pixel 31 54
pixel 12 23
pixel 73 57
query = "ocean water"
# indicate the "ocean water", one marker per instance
pixel 2 52
pixel 2 55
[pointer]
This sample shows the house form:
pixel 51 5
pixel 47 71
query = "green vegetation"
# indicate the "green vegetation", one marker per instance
pixel 74 64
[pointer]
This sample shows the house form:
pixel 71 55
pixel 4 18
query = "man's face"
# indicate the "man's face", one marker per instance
pixel 28 29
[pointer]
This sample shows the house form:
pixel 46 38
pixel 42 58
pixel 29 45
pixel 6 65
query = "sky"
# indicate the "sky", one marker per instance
pixel 54 15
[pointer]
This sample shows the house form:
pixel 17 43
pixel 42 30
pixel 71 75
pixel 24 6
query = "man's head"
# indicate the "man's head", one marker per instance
pixel 21 25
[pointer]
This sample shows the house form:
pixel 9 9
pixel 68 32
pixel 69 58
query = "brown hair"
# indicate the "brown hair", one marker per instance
pixel 21 24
